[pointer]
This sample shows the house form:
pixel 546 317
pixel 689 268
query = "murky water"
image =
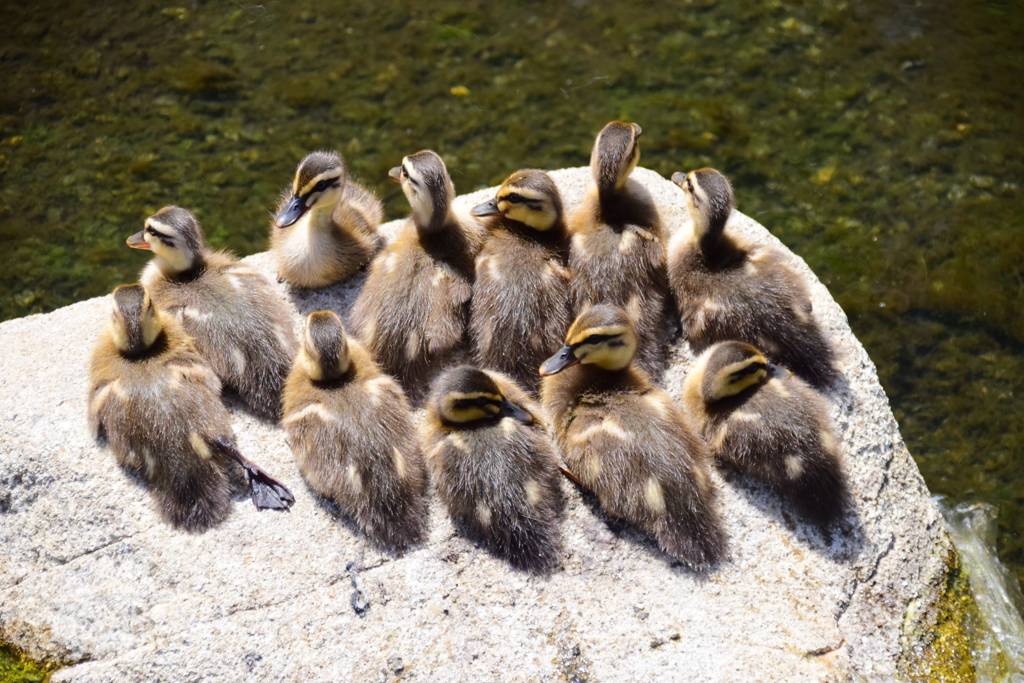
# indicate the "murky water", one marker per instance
pixel 880 140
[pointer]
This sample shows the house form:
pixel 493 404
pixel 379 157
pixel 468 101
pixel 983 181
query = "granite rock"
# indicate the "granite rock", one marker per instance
pixel 91 577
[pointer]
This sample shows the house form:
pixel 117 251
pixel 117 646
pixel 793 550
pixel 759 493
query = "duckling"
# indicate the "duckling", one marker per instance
pixel 239 324
pixel 728 289
pixel 413 309
pixel 350 427
pixel 154 399
pixel 760 419
pixel 494 466
pixel 326 226
pixel 520 305
pixel 627 441
pixel 617 254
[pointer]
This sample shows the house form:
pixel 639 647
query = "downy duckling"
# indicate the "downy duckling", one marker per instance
pixel 238 323
pixel 350 427
pixel 413 309
pixel 494 466
pixel 520 305
pixel 761 420
pixel 728 289
pixel 627 441
pixel 617 255
pixel 156 402
pixel 326 225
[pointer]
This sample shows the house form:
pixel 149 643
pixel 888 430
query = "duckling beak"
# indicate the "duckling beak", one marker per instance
pixel 679 178
pixel 560 361
pixel 138 241
pixel 509 409
pixel 486 209
pixel 293 212
pixel 396 174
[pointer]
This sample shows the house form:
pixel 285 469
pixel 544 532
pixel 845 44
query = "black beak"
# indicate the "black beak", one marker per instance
pixel 396 174
pixel 558 362
pixel 515 412
pixel 679 178
pixel 487 208
pixel 293 212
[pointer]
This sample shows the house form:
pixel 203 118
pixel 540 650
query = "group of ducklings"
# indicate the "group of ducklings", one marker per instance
pixel 504 282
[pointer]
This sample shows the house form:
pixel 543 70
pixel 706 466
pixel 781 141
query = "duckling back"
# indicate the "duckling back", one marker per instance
pixel 627 441
pixel 631 446
pixel 352 435
pixel 160 413
pixel 617 255
pixel 496 473
pixel 412 312
pixel 727 289
pixel 520 306
pixel 239 325
pixel 775 428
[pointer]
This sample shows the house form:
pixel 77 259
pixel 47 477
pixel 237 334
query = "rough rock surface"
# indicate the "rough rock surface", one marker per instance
pixel 89 574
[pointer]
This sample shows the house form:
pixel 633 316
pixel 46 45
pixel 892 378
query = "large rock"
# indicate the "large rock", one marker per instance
pixel 89 575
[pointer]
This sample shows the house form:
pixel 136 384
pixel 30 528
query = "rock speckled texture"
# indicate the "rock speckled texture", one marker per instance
pixel 89 574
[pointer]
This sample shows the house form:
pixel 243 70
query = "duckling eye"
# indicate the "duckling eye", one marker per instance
pixel 322 185
pixel 515 198
pixel 614 340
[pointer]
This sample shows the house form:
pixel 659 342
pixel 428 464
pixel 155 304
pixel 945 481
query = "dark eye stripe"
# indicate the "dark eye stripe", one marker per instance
pixel 746 370
pixel 598 338
pixel 464 403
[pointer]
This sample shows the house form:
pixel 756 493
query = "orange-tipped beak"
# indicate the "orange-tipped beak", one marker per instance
pixel 138 241
pixel 396 174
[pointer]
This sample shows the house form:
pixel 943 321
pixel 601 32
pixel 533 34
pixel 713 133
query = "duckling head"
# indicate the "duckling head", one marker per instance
pixel 709 199
pixel 428 187
pixel 318 185
pixel 465 395
pixel 175 238
pixel 615 155
pixel 529 197
pixel 731 368
pixel 602 335
pixel 135 324
pixel 324 354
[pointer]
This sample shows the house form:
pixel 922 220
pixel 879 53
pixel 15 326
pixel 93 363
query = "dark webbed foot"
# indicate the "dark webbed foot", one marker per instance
pixel 267 493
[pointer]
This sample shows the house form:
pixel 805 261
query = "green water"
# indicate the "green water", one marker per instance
pixel 879 140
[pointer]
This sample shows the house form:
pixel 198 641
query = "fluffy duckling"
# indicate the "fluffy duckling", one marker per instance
pixel 494 466
pixel 154 399
pixel 350 427
pixel 627 441
pixel 520 305
pixel 326 225
pixel 413 309
pixel 760 419
pixel 728 289
pixel 239 325
pixel 617 254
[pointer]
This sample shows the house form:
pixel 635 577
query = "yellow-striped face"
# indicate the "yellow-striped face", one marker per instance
pixel 466 394
pixel 602 336
pixel 427 185
pixel 732 368
pixel 175 238
pixel 318 184
pixel 529 197
pixel 709 198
